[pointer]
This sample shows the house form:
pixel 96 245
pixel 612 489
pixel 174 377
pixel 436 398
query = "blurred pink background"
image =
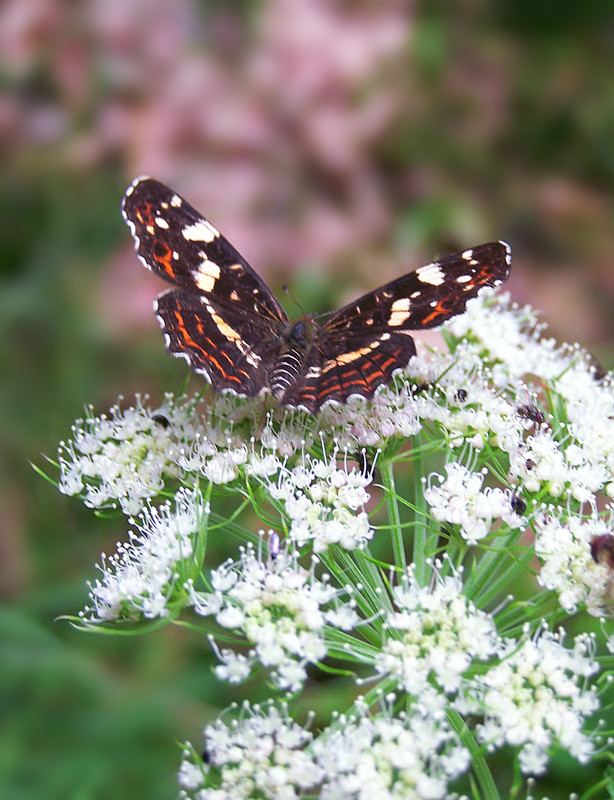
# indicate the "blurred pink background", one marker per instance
pixel 359 138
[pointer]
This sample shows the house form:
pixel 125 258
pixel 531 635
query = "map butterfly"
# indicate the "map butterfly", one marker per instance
pixel 228 325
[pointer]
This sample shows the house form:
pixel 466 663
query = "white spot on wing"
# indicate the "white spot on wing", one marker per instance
pixel 399 312
pixel 431 274
pixel 252 358
pixel 208 273
pixel 508 252
pixel 201 231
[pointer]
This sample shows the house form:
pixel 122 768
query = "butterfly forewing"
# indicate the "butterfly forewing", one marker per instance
pixel 180 245
pixel 428 296
pixel 364 343
pixel 229 326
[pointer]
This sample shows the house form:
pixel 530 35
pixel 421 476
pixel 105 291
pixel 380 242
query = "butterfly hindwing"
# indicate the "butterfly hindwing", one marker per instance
pixel 231 350
pixel 361 364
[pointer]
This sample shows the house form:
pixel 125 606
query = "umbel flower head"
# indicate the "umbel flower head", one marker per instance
pixel 423 549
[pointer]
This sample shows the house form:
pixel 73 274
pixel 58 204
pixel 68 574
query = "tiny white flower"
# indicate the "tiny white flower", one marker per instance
pixel 563 544
pixel 322 500
pixel 536 696
pixel 460 500
pixel 262 754
pixel 126 457
pixel 235 667
pixel 387 756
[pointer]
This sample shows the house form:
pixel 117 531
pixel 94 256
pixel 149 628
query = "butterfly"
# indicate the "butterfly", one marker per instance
pixel 228 325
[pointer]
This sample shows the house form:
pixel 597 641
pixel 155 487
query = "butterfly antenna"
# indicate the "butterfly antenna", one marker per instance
pixel 294 300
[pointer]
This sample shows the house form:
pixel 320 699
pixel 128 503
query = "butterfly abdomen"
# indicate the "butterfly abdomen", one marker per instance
pixel 285 371
pixel 291 360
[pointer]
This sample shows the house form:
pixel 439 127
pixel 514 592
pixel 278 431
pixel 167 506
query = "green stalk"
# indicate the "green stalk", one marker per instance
pixel 394 517
pixel 421 549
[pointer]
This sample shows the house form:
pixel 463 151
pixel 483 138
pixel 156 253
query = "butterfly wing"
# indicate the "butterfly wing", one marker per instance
pixel 223 319
pixel 232 350
pixel 362 344
pixel 179 244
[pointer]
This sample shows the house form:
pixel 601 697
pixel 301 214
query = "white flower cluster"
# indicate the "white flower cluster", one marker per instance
pixel 436 634
pixel 530 693
pixel 392 412
pixel 265 754
pixel 568 568
pixel 536 697
pixel 575 458
pixel 460 500
pixel 324 503
pixel 126 456
pixel 139 580
pixel 262 754
pixel 280 608
pixel 222 451
pixel 388 757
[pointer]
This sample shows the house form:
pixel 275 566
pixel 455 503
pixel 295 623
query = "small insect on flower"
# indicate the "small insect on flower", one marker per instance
pixel 532 412
pixel 519 504
pixel 227 324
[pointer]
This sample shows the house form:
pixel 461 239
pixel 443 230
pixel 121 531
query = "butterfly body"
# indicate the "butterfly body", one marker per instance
pixel 222 318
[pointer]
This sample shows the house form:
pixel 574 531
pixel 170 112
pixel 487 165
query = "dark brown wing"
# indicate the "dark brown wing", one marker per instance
pixel 427 297
pixel 231 349
pixel 179 244
pixel 223 319
pixel 363 344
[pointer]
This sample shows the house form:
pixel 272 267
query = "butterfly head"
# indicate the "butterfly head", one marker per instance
pixel 298 334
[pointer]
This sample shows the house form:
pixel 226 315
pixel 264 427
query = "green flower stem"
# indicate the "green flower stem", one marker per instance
pixel 423 542
pixel 394 517
pixel 488 789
